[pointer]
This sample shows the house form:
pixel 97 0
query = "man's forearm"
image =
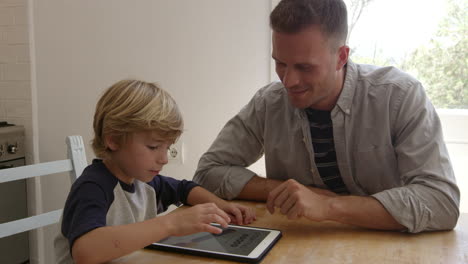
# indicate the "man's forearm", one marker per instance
pixel 258 188
pixel 363 211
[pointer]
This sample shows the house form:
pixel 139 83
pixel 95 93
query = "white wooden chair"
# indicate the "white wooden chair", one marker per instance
pixel 75 165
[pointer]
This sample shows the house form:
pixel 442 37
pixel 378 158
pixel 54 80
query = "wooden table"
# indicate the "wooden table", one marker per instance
pixel 305 241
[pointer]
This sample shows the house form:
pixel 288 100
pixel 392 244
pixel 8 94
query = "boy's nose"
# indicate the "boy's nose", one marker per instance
pixel 163 158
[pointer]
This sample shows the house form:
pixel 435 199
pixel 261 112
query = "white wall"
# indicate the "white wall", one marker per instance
pixel 15 82
pixel 211 55
pixel 15 90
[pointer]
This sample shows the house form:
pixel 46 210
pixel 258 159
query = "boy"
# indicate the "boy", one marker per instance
pixel 111 208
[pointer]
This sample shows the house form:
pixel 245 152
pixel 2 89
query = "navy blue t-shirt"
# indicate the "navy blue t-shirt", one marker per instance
pixel 321 131
pixel 97 198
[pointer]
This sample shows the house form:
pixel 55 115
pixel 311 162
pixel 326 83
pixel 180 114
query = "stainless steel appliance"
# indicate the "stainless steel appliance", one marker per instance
pixel 13 195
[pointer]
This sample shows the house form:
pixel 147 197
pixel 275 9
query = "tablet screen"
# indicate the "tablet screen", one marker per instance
pixel 239 241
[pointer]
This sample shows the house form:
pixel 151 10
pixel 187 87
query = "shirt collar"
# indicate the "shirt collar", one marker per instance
pixel 345 100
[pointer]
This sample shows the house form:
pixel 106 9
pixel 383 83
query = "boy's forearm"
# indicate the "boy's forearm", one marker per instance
pixel 200 195
pixel 116 241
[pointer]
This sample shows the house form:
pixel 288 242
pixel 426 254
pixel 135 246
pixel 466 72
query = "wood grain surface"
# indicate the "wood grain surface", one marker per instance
pixel 305 241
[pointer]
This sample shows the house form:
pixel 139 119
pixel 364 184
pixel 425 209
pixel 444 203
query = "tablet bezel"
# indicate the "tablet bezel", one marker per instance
pixel 255 255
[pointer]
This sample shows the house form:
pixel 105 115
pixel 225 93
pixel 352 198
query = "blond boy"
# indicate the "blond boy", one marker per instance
pixel 112 207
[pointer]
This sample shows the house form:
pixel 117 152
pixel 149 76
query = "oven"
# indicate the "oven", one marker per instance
pixel 13 195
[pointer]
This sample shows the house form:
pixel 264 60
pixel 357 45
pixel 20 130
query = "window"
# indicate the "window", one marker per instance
pixel 431 45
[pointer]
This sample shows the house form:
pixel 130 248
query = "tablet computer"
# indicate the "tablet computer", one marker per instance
pixel 237 243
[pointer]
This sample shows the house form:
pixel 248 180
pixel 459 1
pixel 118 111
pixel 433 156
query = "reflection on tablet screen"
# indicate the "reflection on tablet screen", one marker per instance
pixel 234 241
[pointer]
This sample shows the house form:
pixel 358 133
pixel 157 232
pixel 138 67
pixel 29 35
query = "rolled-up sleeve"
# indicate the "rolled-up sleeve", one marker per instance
pixel 222 169
pixel 429 197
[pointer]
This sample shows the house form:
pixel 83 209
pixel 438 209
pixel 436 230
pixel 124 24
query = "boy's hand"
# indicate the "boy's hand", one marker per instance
pixel 197 219
pixel 239 214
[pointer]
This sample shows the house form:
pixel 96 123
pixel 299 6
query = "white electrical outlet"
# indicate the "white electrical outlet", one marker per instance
pixel 175 153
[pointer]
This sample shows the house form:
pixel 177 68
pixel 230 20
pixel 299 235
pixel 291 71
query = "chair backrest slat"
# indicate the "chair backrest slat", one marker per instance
pixel 35 170
pixel 30 223
pixel 75 165
pixel 76 153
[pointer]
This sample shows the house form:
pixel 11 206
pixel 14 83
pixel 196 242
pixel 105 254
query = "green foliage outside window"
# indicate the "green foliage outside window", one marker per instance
pixel 441 64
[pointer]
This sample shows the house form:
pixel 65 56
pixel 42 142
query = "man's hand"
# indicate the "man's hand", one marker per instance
pixel 296 200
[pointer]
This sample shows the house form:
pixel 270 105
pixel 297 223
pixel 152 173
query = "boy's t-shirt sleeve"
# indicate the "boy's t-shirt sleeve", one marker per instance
pixel 86 209
pixel 171 191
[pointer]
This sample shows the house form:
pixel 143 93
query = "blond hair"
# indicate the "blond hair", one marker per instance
pixel 131 106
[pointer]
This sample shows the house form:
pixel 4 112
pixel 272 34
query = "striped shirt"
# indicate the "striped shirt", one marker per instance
pixel 321 131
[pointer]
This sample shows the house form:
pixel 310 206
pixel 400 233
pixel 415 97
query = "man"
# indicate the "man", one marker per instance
pixel 357 144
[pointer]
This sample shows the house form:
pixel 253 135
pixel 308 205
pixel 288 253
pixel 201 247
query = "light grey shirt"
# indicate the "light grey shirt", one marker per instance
pixel 388 141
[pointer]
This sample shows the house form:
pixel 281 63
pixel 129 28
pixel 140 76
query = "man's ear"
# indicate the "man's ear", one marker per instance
pixel 111 142
pixel 343 55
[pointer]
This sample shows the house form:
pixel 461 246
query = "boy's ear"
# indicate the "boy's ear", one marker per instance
pixel 112 142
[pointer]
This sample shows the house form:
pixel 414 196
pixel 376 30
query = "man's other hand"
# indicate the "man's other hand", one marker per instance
pixel 296 200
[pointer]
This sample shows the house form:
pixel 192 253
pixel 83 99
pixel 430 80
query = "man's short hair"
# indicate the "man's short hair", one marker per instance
pixel 292 16
pixel 133 106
